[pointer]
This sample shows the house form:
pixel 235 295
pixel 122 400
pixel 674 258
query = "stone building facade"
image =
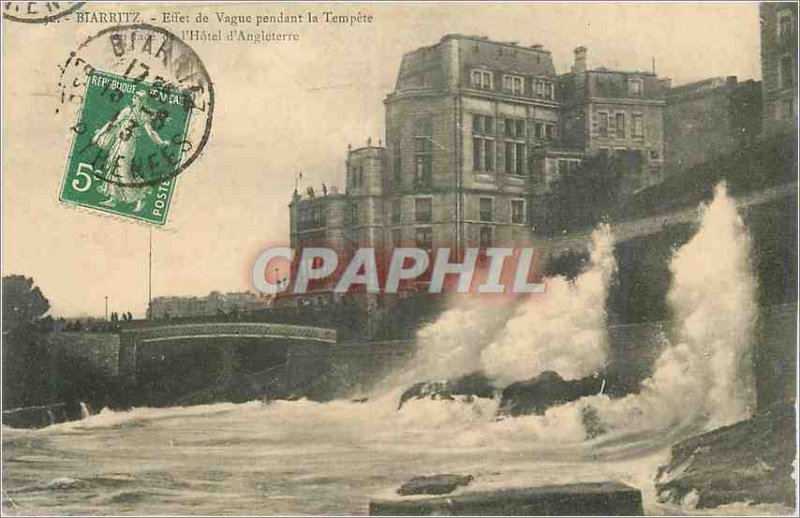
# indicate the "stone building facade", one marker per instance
pixel 478 130
pixel 461 127
pixel 779 66
pixel 605 111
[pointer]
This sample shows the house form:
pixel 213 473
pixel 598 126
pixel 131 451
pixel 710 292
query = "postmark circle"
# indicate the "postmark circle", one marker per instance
pixel 136 83
pixel 38 12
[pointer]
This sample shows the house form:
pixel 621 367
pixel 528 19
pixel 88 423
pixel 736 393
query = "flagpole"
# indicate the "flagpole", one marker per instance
pixel 150 277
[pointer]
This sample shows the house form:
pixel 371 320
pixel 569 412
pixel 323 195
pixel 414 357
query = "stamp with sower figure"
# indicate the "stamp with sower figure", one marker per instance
pixel 130 134
pixel 144 106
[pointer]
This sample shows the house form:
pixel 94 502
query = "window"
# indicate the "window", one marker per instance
pixel 515 158
pixel 483 154
pixel 512 84
pixel 303 219
pixel 483 143
pixel 397 170
pixel 423 153
pixel 481 79
pixel 486 209
pixel 483 124
pixel 638 125
pixel 422 210
pixel 354 216
pixel 543 88
pixel 319 217
pixel 424 238
pixel 602 124
pixel 786 26
pixel 538 130
pixel 620 125
pixel 518 211
pixel 486 237
pixel 514 149
pixel 786 72
pixel 549 132
pixel 357 176
pixel 635 86
pixel 395 211
pixel 515 128
pixel 562 168
pixel 567 166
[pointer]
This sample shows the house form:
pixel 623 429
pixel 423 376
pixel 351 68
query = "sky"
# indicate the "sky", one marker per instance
pixel 282 108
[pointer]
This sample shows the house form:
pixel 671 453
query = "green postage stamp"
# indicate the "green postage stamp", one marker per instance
pixel 126 151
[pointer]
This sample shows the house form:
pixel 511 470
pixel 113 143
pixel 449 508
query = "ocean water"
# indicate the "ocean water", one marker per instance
pixel 303 457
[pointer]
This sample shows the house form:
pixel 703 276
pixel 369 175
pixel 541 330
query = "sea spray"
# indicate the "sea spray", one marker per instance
pixel 713 298
pixel 562 330
pixel 451 346
pixel 701 380
pixel 705 377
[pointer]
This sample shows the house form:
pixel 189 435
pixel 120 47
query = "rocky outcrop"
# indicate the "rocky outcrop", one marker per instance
pixel 586 499
pixel 475 384
pixel 546 390
pixel 750 461
pixel 434 484
pixel 39 416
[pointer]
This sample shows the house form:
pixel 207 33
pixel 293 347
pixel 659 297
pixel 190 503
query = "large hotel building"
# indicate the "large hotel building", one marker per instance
pixel 476 133
pixel 476 130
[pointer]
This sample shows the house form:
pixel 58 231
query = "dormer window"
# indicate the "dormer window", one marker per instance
pixel 481 79
pixel 635 86
pixel 513 83
pixel 543 88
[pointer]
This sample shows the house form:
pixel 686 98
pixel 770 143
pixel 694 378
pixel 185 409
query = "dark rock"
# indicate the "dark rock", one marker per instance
pixel 475 384
pixel 749 461
pixel 36 416
pixel 597 498
pixel 546 390
pixel 434 484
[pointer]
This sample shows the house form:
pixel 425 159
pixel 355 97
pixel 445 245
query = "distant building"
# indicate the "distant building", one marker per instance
pixel 215 303
pixel 611 110
pixel 779 66
pixel 709 118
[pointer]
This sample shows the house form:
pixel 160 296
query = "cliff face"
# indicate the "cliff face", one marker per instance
pixel 750 461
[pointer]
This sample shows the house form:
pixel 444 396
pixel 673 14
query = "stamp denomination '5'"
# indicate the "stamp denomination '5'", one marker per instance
pixel 128 134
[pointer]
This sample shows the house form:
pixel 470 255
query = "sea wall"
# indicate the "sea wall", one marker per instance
pixel 776 356
pixel 99 351
pixel 326 371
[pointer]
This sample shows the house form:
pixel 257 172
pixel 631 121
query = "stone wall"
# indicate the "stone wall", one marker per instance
pixel 350 369
pixel 99 350
pixel 708 119
pixel 776 356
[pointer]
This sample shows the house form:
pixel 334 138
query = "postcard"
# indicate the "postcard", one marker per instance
pixel 399 258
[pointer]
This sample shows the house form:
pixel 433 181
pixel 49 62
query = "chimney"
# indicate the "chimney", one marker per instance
pixel 579 66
